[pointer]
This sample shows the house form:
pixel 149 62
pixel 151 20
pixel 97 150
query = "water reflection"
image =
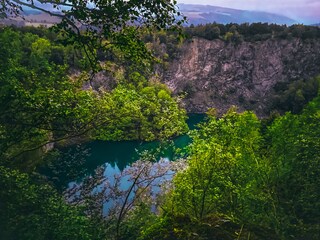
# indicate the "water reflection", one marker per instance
pixel 70 166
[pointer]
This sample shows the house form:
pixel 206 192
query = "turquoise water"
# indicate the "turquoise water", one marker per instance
pixel 82 160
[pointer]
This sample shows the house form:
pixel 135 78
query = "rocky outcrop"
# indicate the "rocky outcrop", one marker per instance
pixel 217 74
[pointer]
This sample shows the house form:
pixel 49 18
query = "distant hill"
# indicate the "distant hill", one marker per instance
pixel 316 24
pixel 202 14
pixel 196 14
pixel 30 11
pixel 31 18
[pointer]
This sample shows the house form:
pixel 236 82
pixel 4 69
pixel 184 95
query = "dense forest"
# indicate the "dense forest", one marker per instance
pixel 241 177
pixel 252 32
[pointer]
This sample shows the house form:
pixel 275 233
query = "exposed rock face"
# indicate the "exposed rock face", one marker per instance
pixel 216 74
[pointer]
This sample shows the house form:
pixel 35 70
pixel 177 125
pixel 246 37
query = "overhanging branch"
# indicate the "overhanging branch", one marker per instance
pixel 31 5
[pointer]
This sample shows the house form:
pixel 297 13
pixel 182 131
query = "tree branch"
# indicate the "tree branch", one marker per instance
pixel 37 8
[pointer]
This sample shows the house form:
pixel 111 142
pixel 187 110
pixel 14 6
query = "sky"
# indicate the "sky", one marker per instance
pixel 305 11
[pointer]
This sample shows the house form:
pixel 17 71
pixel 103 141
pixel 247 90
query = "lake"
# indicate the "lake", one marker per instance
pixel 77 162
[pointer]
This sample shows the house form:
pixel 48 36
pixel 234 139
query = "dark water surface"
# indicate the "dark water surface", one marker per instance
pixel 117 155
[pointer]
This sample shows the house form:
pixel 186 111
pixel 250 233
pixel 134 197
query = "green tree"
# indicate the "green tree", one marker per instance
pixel 90 24
pixel 294 157
pixel 42 105
pixel 147 114
pixel 33 211
pixel 40 53
pixel 39 103
pixel 226 174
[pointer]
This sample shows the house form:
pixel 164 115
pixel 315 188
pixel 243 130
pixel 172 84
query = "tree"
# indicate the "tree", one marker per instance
pixel 37 212
pixel 101 24
pixel 132 190
pixel 39 103
pixel 226 175
pixel 145 112
pixel 211 32
pixel 294 157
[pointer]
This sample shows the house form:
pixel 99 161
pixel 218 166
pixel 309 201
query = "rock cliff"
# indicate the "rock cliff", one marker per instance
pixel 217 74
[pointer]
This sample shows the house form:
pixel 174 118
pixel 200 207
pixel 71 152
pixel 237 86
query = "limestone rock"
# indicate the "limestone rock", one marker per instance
pixel 217 74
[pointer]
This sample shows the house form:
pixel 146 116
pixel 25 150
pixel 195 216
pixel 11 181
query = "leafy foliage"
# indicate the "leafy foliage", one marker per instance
pixel 294 156
pixel 226 173
pixel 147 113
pixel 294 96
pixel 129 195
pixel 32 211
pixel 252 32
pixel 118 22
pixel 246 183
pixel 42 105
pixel 240 182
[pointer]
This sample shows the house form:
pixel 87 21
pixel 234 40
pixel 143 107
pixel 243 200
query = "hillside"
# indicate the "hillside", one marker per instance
pixel 202 14
pixel 254 178
pixel 218 74
pixel 31 18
